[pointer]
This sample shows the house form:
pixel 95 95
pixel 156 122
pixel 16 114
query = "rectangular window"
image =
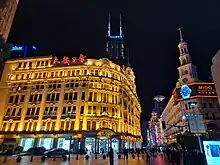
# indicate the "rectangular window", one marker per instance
pixel 90 96
pixel 93 125
pixel 89 109
pixel 83 96
pixel 11 99
pixel 81 110
pixel 88 125
pixel 75 96
pixel 80 125
pixel 94 109
pixel 16 98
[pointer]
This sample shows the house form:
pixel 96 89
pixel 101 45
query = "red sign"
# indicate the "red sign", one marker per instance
pixel 67 61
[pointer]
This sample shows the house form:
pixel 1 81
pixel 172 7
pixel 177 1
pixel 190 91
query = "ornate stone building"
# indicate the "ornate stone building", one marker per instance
pixel 86 102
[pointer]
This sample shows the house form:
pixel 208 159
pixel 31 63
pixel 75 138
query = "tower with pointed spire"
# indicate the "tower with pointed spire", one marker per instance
pixel 115 43
pixel 187 71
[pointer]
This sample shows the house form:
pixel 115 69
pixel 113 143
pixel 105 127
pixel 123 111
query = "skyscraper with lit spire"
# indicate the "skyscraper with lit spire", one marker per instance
pixel 115 43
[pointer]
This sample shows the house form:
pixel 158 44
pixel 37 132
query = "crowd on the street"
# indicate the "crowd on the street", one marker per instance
pixel 173 154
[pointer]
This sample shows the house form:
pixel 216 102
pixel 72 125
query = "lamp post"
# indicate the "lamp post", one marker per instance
pixel 78 137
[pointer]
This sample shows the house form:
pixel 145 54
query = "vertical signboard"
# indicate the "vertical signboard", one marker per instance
pixel 196 124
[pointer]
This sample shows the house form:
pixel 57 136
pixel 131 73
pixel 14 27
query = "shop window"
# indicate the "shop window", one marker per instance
pixel 210 105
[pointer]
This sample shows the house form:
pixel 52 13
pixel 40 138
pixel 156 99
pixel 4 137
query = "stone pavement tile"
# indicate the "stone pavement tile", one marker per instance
pixel 82 161
pixel 159 160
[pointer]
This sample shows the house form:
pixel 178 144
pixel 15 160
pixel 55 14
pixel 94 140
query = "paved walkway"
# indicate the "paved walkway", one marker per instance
pixel 82 161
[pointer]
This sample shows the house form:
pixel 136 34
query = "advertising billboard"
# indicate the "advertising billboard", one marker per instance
pixel 193 90
pixel 212 152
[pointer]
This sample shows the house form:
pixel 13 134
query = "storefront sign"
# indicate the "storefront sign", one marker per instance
pixel 194 90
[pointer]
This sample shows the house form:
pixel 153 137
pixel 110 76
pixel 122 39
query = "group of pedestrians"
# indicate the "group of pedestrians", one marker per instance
pixel 176 155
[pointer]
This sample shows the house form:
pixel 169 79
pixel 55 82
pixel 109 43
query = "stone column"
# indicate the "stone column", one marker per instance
pixel 55 142
pixel 60 106
pixel 24 110
pixel 42 107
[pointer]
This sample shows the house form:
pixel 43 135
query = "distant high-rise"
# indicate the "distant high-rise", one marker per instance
pixel 7 13
pixel 115 43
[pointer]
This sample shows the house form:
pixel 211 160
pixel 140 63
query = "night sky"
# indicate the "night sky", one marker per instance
pixel 67 27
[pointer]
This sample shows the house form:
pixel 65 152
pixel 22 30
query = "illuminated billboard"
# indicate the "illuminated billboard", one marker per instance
pixel 194 90
pixel 212 152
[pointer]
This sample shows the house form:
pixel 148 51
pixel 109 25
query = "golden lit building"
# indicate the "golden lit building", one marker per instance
pixel 52 103
pixel 7 13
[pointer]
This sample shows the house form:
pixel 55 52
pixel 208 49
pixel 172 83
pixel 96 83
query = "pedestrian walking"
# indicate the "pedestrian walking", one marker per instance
pixel 111 156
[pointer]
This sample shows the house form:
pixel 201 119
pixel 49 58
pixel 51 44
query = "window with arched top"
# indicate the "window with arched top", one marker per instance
pixel 186 72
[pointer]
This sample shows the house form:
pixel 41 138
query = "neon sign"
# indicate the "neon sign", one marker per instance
pixel 185 91
pixel 67 61
pixel 17 48
pixel 115 36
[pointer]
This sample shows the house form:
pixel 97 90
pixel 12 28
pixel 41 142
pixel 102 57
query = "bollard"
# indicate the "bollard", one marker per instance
pixel 69 158
pixel 31 160
pixel 5 159
pixel 77 157
pixel 54 158
pixel 95 156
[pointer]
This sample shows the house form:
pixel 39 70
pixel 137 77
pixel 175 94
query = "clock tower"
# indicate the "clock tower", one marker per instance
pixel 187 71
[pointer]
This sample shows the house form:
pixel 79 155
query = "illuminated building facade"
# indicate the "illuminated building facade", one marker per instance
pixel 7 13
pixel 215 73
pixel 154 129
pixel 73 103
pixel 191 96
pixel 115 43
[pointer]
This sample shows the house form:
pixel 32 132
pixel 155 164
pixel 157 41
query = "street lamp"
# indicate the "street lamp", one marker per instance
pixel 78 137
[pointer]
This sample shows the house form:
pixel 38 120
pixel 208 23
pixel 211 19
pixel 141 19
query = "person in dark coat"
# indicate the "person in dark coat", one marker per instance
pixel 201 158
pixel 111 156
pixel 125 153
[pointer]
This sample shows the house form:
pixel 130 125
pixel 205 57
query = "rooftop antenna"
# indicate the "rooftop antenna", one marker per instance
pixel 109 25
pixel 120 26
pixel 181 35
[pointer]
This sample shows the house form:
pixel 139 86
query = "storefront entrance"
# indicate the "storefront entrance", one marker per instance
pixel 105 141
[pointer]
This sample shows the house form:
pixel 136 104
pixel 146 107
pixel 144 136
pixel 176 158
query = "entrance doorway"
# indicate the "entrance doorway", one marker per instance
pixel 103 145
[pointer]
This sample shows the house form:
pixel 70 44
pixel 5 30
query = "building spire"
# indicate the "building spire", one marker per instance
pixel 121 26
pixel 109 25
pixel 181 35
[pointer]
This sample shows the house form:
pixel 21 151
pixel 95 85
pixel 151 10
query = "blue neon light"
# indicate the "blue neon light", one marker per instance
pixel 185 91
pixel 17 48
pixel 116 36
pixel 34 48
